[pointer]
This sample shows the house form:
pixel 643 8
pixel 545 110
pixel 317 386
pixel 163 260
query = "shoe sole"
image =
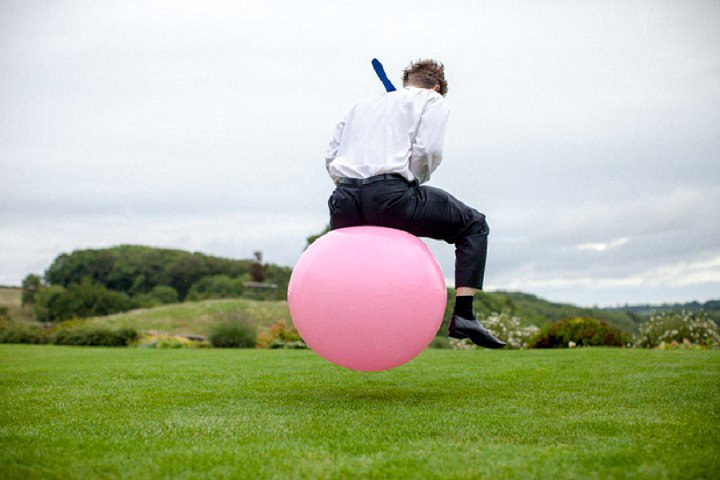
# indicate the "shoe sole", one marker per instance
pixel 461 336
pixel 458 335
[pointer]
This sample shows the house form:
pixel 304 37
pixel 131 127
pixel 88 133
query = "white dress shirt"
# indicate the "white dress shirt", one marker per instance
pixel 396 132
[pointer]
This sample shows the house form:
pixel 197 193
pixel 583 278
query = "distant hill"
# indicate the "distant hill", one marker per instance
pixel 533 310
pixel 709 307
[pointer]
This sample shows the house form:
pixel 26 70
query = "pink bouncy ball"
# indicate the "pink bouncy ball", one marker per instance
pixel 367 298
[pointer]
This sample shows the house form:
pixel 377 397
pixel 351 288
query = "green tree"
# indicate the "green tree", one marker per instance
pixel 85 299
pixel 159 295
pixel 164 294
pixel 136 270
pixel 216 286
pixel 30 286
pixel 48 301
pixel 257 269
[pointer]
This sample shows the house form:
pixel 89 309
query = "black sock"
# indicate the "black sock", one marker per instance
pixel 463 307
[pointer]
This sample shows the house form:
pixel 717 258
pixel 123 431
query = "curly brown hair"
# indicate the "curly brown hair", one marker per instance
pixel 426 74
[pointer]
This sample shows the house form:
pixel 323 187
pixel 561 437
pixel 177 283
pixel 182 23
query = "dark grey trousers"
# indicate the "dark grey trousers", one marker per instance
pixel 390 201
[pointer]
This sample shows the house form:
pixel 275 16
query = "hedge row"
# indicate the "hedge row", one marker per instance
pixel 73 333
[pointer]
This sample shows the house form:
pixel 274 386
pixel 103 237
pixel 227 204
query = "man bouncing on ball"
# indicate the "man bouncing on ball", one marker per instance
pixel 380 157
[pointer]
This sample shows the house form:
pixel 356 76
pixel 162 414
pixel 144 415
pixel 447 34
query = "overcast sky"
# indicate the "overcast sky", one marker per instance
pixel 587 132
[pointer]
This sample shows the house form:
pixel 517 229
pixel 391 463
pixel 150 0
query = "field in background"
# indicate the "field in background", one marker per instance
pixel 11 298
pixel 197 318
pixel 79 412
pixel 189 318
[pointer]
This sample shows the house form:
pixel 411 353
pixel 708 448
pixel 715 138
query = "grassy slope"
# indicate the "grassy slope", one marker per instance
pixel 12 299
pixel 10 296
pixel 197 317
pixel 69 412
pixel 181 318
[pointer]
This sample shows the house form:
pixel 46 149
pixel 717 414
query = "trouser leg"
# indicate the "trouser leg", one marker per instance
pixel 470 260
pixel 441 216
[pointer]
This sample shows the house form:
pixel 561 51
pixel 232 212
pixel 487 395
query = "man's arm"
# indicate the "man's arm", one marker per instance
pixel 426 152
pixel 332 148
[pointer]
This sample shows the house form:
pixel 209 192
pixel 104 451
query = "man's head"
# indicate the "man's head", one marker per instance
pixel 426 74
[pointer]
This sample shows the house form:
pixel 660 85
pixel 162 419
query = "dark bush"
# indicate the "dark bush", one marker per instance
pixel 159 295
pixel 21 332
pixel 164 294
pixel 234 331
pixel 48 300
pixel 75 333
pixel 86 299
pixel 580 331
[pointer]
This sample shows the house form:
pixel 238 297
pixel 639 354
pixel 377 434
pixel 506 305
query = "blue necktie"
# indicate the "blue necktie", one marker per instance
pixel 380 71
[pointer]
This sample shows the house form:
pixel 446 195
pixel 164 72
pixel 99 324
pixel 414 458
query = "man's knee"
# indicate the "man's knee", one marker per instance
pixel 478 224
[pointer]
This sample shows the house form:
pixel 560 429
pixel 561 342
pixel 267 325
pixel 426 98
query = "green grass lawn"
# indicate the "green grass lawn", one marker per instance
pixel 80 412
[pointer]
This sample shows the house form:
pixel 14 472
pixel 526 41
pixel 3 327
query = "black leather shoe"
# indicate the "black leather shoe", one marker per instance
pixel 463 328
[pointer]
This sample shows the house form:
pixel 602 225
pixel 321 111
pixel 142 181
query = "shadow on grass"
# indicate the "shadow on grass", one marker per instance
pixel 377 394
pixel 381 389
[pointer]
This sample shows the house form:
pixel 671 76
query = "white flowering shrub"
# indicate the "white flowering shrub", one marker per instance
pixel 677 328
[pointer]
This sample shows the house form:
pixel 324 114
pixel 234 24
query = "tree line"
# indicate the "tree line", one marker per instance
pixel 104 281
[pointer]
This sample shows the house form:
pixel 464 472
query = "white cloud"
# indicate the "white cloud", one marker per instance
pixel 680 274
pixel 602 246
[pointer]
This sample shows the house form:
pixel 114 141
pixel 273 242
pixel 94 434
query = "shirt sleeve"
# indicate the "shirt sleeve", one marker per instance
pixel 332 148
pixel 426 152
